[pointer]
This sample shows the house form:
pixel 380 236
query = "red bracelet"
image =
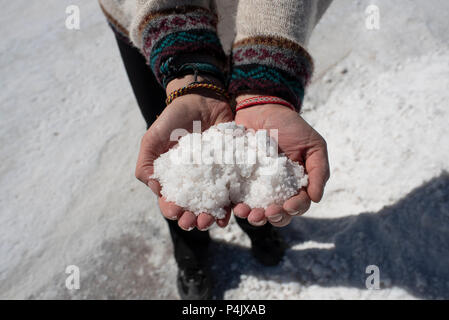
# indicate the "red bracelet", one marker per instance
pixel 253 101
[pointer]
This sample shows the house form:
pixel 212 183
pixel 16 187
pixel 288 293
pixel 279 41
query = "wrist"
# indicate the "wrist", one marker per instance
pixel 245 96
pixel 199 86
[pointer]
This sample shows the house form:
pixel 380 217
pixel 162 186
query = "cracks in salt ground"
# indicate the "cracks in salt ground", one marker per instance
pixel 408 241
pixel 131 266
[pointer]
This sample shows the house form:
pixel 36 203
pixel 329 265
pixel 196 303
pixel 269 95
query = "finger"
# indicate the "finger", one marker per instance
pixel 204 221
pixel 274 213
pixel 169 210
pixel 187 221
pixel 241 210
pixel 257 217
pixel 224 222
pixel 317 167
pixel 298 204
pixel 286 219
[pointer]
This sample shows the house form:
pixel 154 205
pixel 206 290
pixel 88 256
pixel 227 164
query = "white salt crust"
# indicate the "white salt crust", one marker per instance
pixel 236 165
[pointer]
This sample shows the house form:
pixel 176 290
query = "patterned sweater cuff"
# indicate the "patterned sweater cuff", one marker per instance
pixel 182 31
pixel 272 66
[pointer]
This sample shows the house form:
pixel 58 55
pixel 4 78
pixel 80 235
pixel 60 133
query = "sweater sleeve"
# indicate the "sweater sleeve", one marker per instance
pixel 268 54
pixel 170 33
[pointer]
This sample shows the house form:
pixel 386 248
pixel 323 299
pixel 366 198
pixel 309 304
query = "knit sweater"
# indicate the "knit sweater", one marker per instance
pixel 264 39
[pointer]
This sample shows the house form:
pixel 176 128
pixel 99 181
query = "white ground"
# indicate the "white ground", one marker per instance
pixel 69 135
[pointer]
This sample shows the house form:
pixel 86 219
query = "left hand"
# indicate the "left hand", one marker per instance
pixel 301 143
pixel 180 114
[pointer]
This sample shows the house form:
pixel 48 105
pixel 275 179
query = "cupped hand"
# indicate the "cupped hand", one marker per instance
pixel 301 143
pixel 180 114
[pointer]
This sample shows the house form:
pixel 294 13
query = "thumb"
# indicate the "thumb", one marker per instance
pixel 317 167
pixel 149 151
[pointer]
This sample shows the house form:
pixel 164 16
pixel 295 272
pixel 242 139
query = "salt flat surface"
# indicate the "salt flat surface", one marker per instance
pixel 70 131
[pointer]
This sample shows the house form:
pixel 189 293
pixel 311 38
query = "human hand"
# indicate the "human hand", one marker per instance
pixel 180 114
pixel 301 143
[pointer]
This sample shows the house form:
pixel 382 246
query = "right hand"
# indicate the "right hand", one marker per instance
pixel 302 144
pixel 180 114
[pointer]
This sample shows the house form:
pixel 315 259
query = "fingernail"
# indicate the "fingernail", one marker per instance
pixel 259 223
pixel 276 218
pixel 292 212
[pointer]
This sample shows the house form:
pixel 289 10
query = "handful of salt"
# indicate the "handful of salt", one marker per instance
pixel 225 165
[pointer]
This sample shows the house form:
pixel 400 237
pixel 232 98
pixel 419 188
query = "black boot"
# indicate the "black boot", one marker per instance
pixel 267 246
pixel 191 254
pixel 194 284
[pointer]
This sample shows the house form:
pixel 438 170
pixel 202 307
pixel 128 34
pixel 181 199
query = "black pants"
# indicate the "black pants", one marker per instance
pixel 189 246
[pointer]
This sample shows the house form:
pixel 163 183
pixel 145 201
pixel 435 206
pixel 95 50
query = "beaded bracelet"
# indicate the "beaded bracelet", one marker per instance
pixel 194 86
pixel 262 100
